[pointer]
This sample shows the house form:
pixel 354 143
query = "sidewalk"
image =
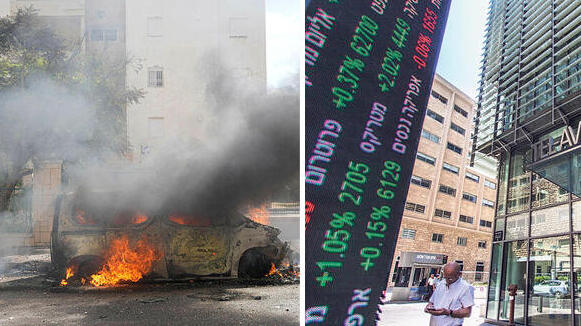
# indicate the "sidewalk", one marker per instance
pixel 412 313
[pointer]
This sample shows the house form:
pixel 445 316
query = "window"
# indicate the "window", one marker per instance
pixel 489 184
pixel 437 237
pixel 421 181
pixel 487 203
pixel 97 35
pixel 486 223
pixel 110 34
pixel 415 207
pixel 461 241
pixel 450 168
pixel 156 128
pixel 434 116
pixel 564 242
pixel 466 219
pixel 103 35
pixel 469 197
pixel 428 135
pixel 154 26
pixel 440 97
pixel 442 213
pixel 408 233
pixel 461 263
pixel 239 27
pixel 482 244
pixel 155 77
pixel 447 190
pixel 479 270
pixel 457 128
pixel 454 148
pixel 460 110
pixel 426 158
pixel 472 177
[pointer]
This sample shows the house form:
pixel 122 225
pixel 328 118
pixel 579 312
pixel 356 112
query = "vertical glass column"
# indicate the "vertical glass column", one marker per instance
pixel 502 186
pixel 494 281
pixel 576 282
pixel 514 272
pixel 549 282
pixel 518 185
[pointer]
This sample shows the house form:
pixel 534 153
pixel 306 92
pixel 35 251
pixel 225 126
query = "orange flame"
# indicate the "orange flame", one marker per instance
pixel 82 218
pixel 69 274
pixel 272 270
pixel 259 214
pixel 125 263
pixel 190 220
pixel 138 219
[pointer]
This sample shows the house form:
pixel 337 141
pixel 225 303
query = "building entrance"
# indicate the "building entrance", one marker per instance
pixel 412 274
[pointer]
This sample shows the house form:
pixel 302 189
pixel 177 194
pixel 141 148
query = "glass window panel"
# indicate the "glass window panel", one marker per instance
pixel 494 285
pixel 517 226
pixel 577 276
pixel 577 216
pixel 546 193
pixel 518 185
pixel 576 174
pixel 550 220
pixel 515 267
pixel 549 267
pixel 502 185
pixel 499 228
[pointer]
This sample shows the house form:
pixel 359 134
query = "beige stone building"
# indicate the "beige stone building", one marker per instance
pixel 449 210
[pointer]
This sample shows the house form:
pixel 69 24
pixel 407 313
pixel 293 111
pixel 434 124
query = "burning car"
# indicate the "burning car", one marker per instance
pixel 102 242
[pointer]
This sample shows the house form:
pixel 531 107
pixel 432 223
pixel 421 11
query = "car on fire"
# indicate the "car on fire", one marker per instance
pixel 189 246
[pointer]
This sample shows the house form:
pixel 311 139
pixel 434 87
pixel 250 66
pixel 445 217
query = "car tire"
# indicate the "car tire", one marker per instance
pixel 254 264
pixel 558 294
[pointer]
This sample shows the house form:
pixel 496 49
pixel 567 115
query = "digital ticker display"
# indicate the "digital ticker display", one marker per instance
pixel 369 67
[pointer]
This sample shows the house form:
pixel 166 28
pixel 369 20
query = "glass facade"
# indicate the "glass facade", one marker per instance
pixel 530 89
pixel 537 246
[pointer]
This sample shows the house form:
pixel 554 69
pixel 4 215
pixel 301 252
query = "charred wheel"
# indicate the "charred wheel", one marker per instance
pixel 254 263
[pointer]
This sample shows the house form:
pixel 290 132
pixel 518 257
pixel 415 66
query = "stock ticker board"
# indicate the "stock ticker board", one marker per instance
pixel 369 66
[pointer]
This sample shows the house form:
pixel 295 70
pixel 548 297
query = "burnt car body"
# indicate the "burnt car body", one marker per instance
pixel 191 247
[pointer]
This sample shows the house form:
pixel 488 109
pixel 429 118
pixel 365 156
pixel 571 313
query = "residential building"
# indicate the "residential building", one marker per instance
pixel 528 114
pixel 174 48
pixel 183 46
pixel 450 206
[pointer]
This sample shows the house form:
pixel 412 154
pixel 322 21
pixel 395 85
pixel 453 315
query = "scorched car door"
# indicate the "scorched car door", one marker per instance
pixel 197 250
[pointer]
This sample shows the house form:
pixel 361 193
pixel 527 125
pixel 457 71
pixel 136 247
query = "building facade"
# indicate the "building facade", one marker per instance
pixel 528 113
pixel 450 206
pixel 177 51
pixel 189 50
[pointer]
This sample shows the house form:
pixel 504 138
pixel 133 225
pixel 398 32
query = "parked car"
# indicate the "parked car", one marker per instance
pixel 556 288
pixel 190 245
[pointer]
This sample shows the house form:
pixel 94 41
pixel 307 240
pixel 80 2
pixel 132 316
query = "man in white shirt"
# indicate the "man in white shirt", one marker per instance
pixel 453 299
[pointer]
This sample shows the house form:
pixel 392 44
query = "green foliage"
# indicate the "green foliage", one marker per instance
pixel 30 50
pixel 27 46
pixel 541 278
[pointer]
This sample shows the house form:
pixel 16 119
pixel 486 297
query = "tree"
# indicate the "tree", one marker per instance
pixel 34 60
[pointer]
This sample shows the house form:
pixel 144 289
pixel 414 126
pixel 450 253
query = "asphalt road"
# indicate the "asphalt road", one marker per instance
pixel 29 297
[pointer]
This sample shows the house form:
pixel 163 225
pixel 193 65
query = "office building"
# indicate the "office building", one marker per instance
pixel 528 113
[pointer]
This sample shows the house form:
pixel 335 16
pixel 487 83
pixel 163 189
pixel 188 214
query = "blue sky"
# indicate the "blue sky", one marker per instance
pixel 461 51
pixel 284 40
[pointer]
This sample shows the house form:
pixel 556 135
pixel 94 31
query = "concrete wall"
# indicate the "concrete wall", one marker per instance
pixel 189 40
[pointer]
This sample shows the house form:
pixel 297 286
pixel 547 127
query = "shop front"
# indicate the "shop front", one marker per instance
pixel 412 272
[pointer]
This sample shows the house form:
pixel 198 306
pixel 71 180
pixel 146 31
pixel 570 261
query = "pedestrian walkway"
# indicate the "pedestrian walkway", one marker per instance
pixel 412 313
